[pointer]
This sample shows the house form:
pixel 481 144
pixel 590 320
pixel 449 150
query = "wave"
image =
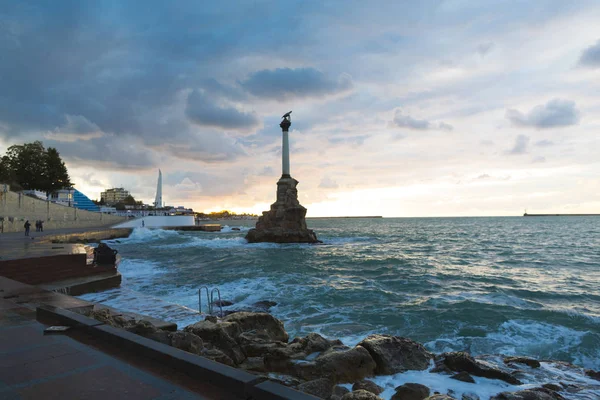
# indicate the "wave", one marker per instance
pixel 143 235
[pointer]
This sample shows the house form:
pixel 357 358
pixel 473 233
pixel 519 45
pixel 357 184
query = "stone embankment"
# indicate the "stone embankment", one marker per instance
pixel 91 236
pixel 16 208
pixel 258 343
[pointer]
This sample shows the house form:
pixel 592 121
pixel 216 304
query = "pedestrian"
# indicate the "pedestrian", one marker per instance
pixel 26 226
pixel 41 226
pixel 37 225
pixel 143 224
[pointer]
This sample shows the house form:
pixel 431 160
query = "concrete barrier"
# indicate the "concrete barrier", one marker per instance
pixel 238 382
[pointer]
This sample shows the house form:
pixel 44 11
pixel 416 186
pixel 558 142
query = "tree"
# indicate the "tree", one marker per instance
pixel 57 176
pixel 129 201
pixel 31 166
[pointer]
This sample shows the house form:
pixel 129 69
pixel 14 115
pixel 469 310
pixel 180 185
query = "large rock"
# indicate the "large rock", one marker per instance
pixel 461 361
pixel 187 341
pixel 395 354
pixel 531 362
pixel 440 397
pixel 529 394
pixel 411 391
pixel 361 395
pixel 220 335
pixel 262 323
pixel 346 366
pixel 367 385
pixel 148 330
pixel 322 388
pixel 285 222
pixel 313 342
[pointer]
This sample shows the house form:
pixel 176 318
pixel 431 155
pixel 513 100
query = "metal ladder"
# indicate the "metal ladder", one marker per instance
pixel 209 300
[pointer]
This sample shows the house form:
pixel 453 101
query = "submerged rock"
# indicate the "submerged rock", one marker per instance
pixel 395 354
pixel 461 361
pixel 529 394
pixel 411 391
pixel 531 362
pixel 463 376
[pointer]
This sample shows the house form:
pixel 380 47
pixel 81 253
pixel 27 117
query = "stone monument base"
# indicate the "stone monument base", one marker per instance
pixel 285 222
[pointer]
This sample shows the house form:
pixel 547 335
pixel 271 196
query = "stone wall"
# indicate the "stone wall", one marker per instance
pixel 16 208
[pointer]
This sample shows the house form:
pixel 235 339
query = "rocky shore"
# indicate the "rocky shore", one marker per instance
pixel 257 342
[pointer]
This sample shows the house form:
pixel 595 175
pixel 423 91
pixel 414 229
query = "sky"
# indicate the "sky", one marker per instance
pixel 400 108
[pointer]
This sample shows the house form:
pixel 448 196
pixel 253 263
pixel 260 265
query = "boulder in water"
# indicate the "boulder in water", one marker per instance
pixel 531 362
pixel 322 388
pixel 367 385
pixel 411 391
pixel 461 361
pixel 395 354
pixel 529 394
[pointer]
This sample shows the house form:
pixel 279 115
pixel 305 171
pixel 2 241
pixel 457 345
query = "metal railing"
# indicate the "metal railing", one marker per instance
pixel 210 300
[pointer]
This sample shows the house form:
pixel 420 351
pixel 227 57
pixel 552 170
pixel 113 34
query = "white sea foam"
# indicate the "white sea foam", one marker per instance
pixel 143 235
pixel 230 229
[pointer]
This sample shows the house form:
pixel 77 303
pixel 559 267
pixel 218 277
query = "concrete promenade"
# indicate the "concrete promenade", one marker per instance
pixel 63 366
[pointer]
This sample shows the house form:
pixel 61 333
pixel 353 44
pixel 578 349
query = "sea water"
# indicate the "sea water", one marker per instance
pixel 504 285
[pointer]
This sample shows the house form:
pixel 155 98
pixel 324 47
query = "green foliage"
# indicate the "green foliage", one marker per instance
pixel 31 166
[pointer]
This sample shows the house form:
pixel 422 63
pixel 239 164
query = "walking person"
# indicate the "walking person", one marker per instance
pixel 41 226
pixel 26 226
pixel 37 225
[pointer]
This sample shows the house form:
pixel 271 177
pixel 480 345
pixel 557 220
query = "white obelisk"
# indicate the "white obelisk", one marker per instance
pixel 158 202
pixel 285 149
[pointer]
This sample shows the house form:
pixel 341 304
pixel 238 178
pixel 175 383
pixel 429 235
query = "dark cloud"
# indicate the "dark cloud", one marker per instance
pixel 591 56
pixel 286 83
pixel 520 146
pixel 555 113
pixel 202 111
pixel 406 121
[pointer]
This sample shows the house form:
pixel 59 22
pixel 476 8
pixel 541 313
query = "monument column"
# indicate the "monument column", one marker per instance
pixel 285 149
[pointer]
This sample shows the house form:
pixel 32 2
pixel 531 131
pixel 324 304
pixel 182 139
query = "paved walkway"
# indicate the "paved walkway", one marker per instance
pixel 38 366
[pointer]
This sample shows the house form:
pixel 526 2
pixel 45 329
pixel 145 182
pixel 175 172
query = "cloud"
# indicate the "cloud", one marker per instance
pixel 484 48
pixel 555 113
pixel 591 56
pixel 266 171
pixel 328 183
pixel 539 159
pixel 483 176
pixel 187 185
pixel 544 143
pixel 357 140
pixel 406 121
pixel 202 111
pixel 287 83
pixel 520 146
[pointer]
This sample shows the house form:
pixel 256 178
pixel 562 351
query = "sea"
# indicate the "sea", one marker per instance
pixel 489 285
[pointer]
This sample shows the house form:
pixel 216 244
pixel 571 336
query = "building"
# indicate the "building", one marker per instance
pixel 73 198
pixel 114 195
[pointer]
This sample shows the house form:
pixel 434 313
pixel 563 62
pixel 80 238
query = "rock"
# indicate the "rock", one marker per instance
pixel 340 391
pixel 411 391
pixel 211 318
pixel 464 377
pixel 533 363
pixel 235 229
pixel 148 330
pixel 264 305
pixel 313 342
pixel 187 341
pixel 285 222
pixel 461 361
pixel 552 386
pixel 469 396
pixel 528 394
pixel 263 323
pixel 256 364
pixel 395 354
pixel 218 356
pixel 593 374
pixel 256 344
pixel 367 385
pixel 322 388
pixel 360 395
pixel 440 397
pixel 221 336
pixel 222 303
pixel 347 365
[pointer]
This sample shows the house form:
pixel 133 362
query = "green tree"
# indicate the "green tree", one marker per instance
pixel 31 166
pixel 129 201
pixel 57 176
